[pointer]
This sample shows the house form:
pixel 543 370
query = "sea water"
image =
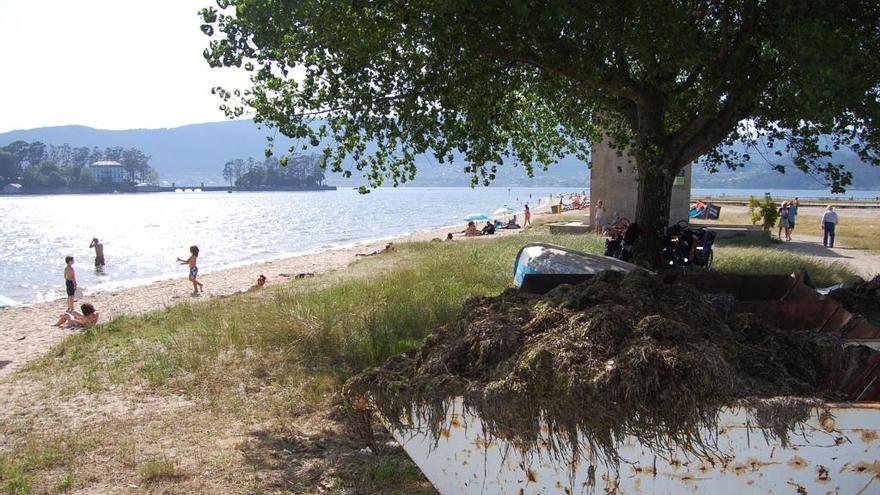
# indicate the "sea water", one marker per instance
pixel 143 234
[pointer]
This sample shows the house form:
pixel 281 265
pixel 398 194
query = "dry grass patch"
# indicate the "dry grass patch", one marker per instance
pixel 862 232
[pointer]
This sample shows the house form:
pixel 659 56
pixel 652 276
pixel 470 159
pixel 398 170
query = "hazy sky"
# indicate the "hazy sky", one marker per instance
pixel 110 64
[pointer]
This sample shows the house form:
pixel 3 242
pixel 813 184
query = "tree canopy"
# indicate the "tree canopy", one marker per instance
pixel 299 172
pixel 42 166
pixel 527 82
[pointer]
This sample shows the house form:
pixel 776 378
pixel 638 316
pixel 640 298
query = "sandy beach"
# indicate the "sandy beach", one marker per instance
pixel 26 333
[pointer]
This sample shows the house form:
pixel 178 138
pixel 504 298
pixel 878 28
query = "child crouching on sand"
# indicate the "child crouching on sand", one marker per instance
pixel 193 269
pixel 86 319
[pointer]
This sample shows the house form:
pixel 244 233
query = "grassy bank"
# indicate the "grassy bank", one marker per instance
pixel 240 394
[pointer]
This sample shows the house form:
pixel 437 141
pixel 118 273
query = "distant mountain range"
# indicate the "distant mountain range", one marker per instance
pixel 196 153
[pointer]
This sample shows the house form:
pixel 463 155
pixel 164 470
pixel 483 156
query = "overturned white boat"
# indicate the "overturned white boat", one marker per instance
pixel 538 267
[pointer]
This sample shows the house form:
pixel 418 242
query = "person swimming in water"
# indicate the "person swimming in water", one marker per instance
pixel 193 269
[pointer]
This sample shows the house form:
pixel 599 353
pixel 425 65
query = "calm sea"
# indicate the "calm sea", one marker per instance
pixel 143 234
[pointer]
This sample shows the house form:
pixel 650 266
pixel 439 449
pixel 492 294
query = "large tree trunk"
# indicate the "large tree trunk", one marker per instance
pixel 652 210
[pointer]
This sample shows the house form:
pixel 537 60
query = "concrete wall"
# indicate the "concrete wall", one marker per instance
pixel 613 179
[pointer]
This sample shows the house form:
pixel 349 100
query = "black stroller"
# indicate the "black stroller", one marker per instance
pixel 622 238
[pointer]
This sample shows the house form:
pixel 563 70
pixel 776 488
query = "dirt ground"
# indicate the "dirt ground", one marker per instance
pixel 807 240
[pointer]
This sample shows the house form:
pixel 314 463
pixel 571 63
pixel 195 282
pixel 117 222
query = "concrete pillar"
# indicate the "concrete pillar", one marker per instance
pixel 613 179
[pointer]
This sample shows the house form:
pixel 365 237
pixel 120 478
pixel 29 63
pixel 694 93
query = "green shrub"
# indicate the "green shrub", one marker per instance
pixel 764 211
pixel 156 469
pixel 13 480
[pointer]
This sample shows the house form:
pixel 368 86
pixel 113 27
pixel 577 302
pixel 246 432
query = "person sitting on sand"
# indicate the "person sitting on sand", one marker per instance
pixel 511 224
pixel 389 248
pixel 261 281
pixel 193 269
pixel 471 230
pixel 86 319
pixel 449 236
pixel 488 229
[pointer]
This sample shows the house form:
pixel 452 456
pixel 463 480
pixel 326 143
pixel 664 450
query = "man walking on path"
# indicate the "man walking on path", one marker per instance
pixel 829 222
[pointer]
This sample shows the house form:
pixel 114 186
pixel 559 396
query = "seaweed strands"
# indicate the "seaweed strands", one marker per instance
pixel 617 356
pixel 862 299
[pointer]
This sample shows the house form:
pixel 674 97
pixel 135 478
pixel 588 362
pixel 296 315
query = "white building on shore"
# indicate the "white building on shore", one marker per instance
pixel 108 171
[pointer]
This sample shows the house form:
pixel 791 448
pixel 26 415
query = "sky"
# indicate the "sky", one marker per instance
pixel 109 64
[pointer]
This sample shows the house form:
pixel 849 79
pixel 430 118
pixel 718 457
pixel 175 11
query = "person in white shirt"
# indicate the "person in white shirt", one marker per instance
pixel 829 222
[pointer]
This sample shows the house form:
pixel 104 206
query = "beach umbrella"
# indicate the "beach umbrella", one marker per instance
pixel 502 212
pixel 475 217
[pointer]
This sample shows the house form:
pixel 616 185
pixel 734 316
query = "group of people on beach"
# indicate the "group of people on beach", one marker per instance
pixel 87 316
pixel 493 225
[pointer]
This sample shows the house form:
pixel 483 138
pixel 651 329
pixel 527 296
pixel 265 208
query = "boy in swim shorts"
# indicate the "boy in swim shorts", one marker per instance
pixel 69 281
pixel 193 269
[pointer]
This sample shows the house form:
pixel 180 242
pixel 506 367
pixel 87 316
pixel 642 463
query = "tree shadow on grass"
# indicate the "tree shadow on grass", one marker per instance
pixel 811 248
pixel 317 454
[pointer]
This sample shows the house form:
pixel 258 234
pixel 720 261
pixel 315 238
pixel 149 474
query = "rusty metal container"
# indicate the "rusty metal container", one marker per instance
pixel 836 451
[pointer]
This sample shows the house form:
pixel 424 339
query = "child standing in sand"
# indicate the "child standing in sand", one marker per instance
pixel 193 269
pixel 69 281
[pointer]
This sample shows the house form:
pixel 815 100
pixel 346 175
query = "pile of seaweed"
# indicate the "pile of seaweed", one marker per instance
pixel 861 299
pixel 615 356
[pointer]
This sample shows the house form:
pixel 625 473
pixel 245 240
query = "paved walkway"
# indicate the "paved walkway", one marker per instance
pixel 865 264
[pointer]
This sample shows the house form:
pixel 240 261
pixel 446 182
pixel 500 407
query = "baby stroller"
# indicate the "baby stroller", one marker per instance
pixel 622 239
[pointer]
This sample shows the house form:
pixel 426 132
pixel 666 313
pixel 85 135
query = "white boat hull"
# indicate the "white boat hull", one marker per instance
pixel 836 453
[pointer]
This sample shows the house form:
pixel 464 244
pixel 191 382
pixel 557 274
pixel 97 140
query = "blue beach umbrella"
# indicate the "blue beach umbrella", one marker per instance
pixel 476 217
